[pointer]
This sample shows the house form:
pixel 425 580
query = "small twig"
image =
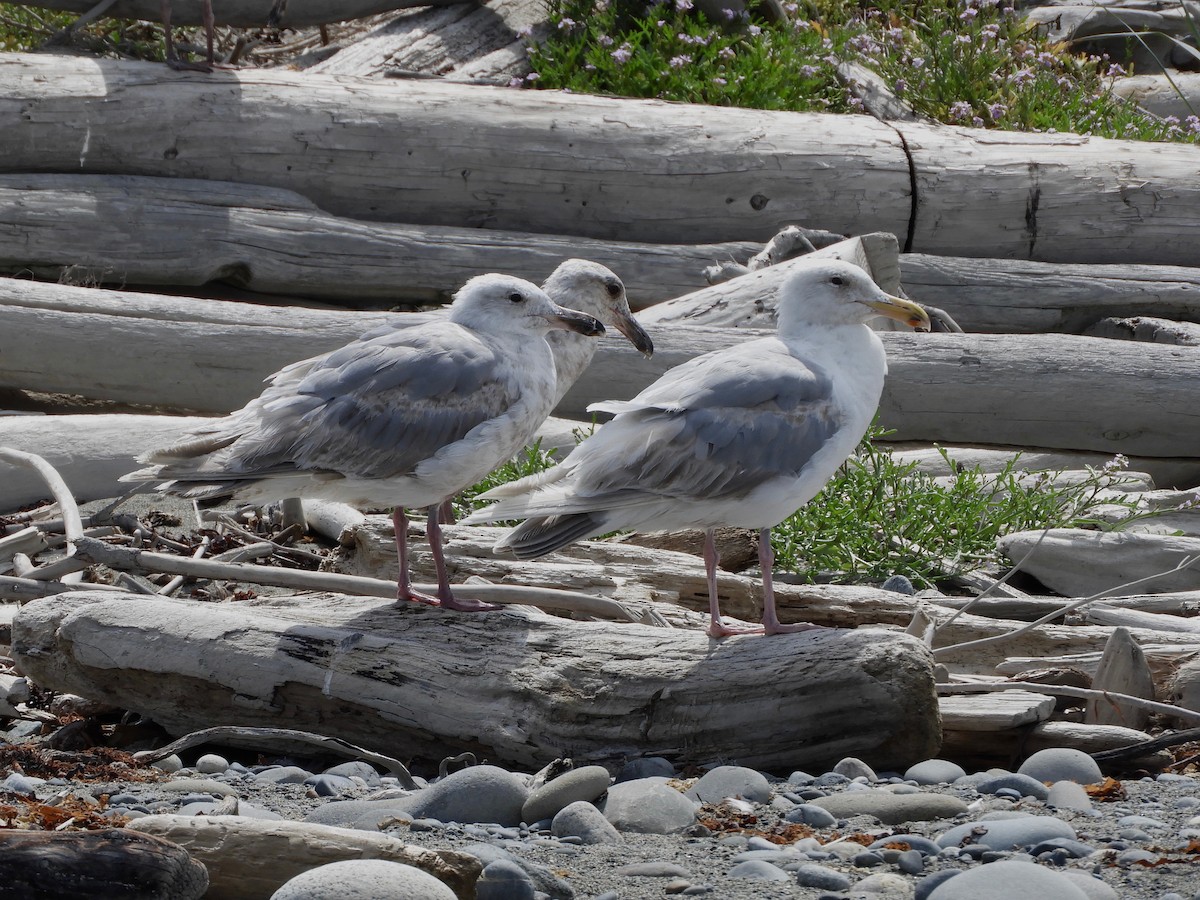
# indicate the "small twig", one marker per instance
pixel 177 582
pixel 1061 611
pixel 1067 690
pixel 1174 739
pixel 1003 580
pixel 22 590
pixel 59 490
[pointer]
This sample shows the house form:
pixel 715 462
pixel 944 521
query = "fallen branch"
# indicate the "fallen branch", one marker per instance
pixel 1174 739
pixel 61 493
pixel 279 740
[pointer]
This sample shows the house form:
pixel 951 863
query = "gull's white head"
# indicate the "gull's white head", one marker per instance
pixel 594 289
pixel 839 293
pixel 498 304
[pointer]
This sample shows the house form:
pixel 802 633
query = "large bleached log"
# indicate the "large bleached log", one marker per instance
pixel 1024 296
pixel 243 13
pixel 189 232
pixel 516 686
pixel 1052 391
pixel 1079 563
pixel 249 859
pixel 434 153
pixel 89 452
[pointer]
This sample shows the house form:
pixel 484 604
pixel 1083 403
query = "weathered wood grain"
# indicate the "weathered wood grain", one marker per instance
pixel 517 686
pixel 187 232
pixel 425 152
pixel 1025 296
pixel 299 13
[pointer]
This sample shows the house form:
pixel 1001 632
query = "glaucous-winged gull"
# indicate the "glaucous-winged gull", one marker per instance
pixel 399 417
pixel 742 436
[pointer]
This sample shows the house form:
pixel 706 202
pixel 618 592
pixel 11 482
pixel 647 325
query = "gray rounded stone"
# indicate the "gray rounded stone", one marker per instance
pixel 356 769
pixel 1093 887
pixel 211 764
pixel 504 880
pixel 1025 785
pixel 646 767
pixel 892 809
pixel 584 821
pixel 1008 834
pixel 1068 795
pixel 731 781
pixel 927 885
pixel 883 886
pixel 584 783
pixel 364 815
pixel 1062 764
pixel 934 771
pixel 474 794
pixel 543 878
pixel 170 763
pixel 649 806
pixel 853 767
pixel 364 879
pixel 283 775
pixel 1008 880
pixel 811 815
pixel 814 876
pixel 760 870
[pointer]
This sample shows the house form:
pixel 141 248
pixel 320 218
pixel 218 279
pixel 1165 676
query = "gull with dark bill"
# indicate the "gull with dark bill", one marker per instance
pixel 399 417
pixel 742 436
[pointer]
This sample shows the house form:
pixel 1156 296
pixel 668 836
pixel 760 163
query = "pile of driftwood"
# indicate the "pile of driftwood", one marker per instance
pixel 329 200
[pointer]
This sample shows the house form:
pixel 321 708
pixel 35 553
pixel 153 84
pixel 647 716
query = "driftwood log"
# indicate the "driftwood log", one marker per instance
pixel 1025 296
pixel 242 13
pixel 516 686
pixel 249 859
pixel 1049 391
pixel 601 167
pixel 189 233
pixel 110 863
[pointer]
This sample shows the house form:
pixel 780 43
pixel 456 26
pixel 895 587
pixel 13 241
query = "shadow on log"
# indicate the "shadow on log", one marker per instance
pixel 518 686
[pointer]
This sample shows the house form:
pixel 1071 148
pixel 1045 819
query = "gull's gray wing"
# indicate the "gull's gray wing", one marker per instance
pixel 379 406
pixel 719 428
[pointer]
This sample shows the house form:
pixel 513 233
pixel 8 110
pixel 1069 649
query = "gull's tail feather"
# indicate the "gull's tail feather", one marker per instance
pixel 537 537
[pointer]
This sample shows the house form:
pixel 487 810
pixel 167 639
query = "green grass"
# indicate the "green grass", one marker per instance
pixel 879 517
pixel 971 63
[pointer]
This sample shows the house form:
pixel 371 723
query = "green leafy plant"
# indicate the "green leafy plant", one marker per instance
pixel 880 517
pixel 969 62
pixel 530 461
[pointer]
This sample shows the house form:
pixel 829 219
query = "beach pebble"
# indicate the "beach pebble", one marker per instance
pixel 1062 764
pixel 504 880
pixel 361 814
pixel 544 880
pixel 646 767
pixel 170 763
pixel 474 794
pixel 649 806
pixel 883 886
pixel 283 775
pixel 211 764
pixel 934 771
pixel 911 862
pixel 584 821
pixel 928 884
pixel 18 783
pixel 760 870
pixel 356 769
pixel 1008 880
pixel 1069 795
pixel 1023 785
pixel 813 816
pixel 1090 885
pixel 1007 834
pixel 653 870
pixel 364 879
pixel 854 768
pixel 814 876
pixel 584 783
pixel 326 785
pixel 731 781
pixel 892 809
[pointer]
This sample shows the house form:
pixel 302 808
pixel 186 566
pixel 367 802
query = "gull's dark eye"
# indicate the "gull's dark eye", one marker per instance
pixel 838 280
pixel 516 297
pixel 614 289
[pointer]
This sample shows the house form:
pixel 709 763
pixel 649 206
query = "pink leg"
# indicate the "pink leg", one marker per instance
pixel 716 627
pixel 770 619
pixel 448 511
pixel 210 24
pixel 433 533
pixel 173 59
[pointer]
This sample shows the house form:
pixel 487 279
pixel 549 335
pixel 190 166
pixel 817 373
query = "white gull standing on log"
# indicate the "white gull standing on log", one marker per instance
pixel 399 417
pixel 742 436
